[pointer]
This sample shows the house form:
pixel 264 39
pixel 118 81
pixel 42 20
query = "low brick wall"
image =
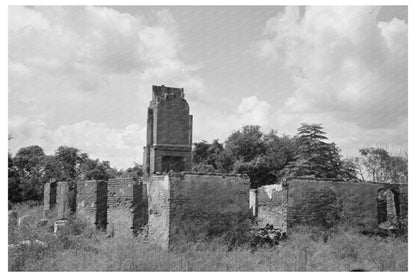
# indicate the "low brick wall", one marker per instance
pixel 319 202
pixel 183 206
pixel 127 206
pixel 92 202
pixel 271 206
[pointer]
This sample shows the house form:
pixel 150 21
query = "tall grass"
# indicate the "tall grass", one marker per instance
pixel 82 248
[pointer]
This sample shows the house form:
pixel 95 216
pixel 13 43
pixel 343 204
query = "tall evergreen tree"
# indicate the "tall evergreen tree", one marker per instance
pixel 315 157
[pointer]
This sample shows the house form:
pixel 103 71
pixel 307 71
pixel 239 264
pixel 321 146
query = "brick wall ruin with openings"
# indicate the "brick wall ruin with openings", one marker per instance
pixel 183 206
pixel 392 206
pixel 324 202
pixel 92 202
pixel 127 206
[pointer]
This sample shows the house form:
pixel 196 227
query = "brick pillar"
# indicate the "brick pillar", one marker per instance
pixel 46 196
pixel 49 196
pixel 62 199
pixel 92 202
pixel 391 208
pixel 253 202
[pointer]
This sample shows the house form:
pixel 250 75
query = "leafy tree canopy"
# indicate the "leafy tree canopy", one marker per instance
pixel 378 165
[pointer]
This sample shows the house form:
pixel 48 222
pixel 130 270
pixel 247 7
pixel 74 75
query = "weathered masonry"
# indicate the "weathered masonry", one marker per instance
pixel 91 199
pixel 169 132
pixel 127 206
pixel 269 205
pixel 316 202
pixel 174 207
pixel 182 206
pixel 49 196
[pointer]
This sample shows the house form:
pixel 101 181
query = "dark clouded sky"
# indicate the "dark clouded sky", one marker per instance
pixel 82 76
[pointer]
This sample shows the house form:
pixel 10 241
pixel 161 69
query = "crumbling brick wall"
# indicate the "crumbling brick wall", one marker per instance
pixel 392 206
pixel 271 206
pixel 325 202
pixel 127 206
pixel 190 205
pixel 92 202
pixel 169 132
pixel 403 198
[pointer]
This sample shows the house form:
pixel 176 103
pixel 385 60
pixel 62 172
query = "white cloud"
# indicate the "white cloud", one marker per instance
pixel 85 65
pixel 21 17
pixel 80 44
pixel 347 68
pixel 254 111
pixel 120 146
pixel 214 123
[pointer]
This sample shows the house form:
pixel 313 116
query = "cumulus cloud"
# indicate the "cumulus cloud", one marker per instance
pixel 220 123
pixel 82 65
pixel 347 68
pixel 120 146
pixel 87 40
pixel 254 111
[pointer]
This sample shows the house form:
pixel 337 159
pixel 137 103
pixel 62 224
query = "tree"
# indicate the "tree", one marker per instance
pixel 135 172
pixel 15 190
pixel 377 165
pixel 245 144
pixel 30 169
pixel 203 168
pixel 399 169
pixel 29 163
pixel 349 169
pixel 314 156
pixel 206 156
pixel 95 169
pixel 280 151
pixel 200 152
pixel 260 156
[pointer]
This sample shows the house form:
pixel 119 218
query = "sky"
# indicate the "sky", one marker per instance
pixel 82 76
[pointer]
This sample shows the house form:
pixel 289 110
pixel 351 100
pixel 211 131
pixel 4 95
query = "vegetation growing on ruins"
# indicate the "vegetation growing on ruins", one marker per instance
pixel 81 248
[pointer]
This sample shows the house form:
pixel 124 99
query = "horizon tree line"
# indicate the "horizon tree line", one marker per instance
pixel 265 157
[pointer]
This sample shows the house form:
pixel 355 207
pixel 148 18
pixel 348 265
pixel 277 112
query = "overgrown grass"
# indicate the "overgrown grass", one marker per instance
pixel 81 248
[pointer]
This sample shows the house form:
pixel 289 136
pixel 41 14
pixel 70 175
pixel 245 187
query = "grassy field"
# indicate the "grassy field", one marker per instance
pixel 81 248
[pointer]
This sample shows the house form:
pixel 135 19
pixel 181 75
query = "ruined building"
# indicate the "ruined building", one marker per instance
pixel 170 204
